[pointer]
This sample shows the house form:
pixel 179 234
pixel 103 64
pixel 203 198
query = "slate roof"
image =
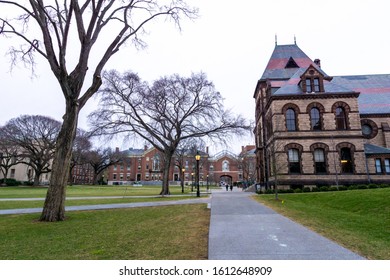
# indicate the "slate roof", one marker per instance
pixel 370 149
pixel 374 90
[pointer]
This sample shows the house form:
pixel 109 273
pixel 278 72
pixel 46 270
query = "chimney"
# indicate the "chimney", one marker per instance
pixel 318 62
pixel 117 149
pixel 207 150
pixel 145 148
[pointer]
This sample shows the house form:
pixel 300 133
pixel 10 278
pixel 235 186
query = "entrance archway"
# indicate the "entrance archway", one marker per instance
pixel 227 179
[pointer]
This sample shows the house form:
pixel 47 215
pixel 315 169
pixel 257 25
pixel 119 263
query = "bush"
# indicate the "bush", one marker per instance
pixel 297 191
pixel 10 182
pixel 315 189
pixel 343 188
pixel 306 189
pixel 324 189
pixel 333 189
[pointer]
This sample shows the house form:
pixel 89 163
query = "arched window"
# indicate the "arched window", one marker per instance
pixel 291 123
pixel 346 160
pixel 294 161
pixel 315 119
pixel 341 119
pixel 319 161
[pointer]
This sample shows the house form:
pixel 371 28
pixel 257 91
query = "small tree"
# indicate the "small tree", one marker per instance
pixel 102 158
pixel 81 146
pixel 78 25
pixel 165 113
pixel 35 136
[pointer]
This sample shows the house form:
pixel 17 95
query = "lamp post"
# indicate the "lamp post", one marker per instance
pixel 207 178
pixel 182 180
pixel 197 157
pixel 192 181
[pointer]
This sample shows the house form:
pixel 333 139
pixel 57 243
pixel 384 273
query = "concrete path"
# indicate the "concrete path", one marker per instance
pixel 243 229
pixel 108 206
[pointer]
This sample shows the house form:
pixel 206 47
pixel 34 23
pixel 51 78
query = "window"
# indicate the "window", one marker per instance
pixel 308 85
pixel 293 161
pixel 315 119
pixel 316 85
pixel 346 160
pixel 378 166
pixel 387 166
pixel 341 120
pixel 114 176
pixel 366 130
pixel 291 120
pixel 319 160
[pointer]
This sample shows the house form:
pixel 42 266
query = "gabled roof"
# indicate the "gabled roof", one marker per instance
pixel 286 55
pixel 374 90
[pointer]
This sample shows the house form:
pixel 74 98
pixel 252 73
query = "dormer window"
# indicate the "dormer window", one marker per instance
pixel 312 81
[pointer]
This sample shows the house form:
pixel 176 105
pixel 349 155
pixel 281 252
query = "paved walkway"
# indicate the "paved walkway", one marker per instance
pixel 243 229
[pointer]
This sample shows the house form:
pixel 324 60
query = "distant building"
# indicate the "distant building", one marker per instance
pixel 145 165
pixel 314 129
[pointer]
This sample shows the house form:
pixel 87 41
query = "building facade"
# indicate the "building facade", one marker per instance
pixel 145 166
pixel 313 129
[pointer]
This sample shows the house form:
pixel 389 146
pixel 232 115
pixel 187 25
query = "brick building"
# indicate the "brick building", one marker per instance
pixel 145 165
pixel 315 129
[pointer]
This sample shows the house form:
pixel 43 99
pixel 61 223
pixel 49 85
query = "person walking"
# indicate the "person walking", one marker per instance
pixel 231 187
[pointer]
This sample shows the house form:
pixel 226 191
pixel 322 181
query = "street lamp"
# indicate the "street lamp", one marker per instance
pixel 182 179
pixel 192 181
pixel 197 157
pixel 207 178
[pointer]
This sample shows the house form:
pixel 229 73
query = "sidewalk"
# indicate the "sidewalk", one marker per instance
pixel 243 229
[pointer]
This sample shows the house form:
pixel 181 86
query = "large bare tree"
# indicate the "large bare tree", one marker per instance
pixel 170 110
pixel 54 27
pixel 35 137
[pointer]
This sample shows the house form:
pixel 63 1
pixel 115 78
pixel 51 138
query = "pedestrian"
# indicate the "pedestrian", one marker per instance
pixel 231 187
pixel 227 187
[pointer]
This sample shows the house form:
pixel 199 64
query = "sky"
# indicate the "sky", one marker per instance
pixel 231 42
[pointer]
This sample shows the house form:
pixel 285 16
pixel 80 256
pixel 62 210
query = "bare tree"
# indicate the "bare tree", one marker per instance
pixel 10 154
pixel 100 159
pixel 78 25
pixel 165 113
pixel 35 136
pixel 81 146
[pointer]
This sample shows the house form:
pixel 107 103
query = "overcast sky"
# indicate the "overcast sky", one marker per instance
pixel 231 42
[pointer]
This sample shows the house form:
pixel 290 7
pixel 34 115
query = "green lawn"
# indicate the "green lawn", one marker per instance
pixel 358 219
pixel 79 191
pixel 150 233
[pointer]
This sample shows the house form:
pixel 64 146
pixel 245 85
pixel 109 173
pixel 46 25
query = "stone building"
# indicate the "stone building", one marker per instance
pixel 315 129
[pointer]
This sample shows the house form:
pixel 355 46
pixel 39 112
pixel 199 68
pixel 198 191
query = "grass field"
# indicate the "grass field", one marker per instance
pixel 358 219
pixel 151 233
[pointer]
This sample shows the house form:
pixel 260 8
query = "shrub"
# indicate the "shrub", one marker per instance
pixel 297 191
pixel 324 189
pixel 10 182
pixel 315 189
pixel 343 188
pixel 333 189
pixel 306 189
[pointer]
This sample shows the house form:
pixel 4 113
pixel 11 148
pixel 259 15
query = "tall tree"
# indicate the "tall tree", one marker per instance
pixel 170 110
pixel 61 24
pixel 35 137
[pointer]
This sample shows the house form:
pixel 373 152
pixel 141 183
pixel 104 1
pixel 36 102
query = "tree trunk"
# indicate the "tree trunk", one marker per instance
pixel 167 165
pixel 36 179
pixel 54 207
